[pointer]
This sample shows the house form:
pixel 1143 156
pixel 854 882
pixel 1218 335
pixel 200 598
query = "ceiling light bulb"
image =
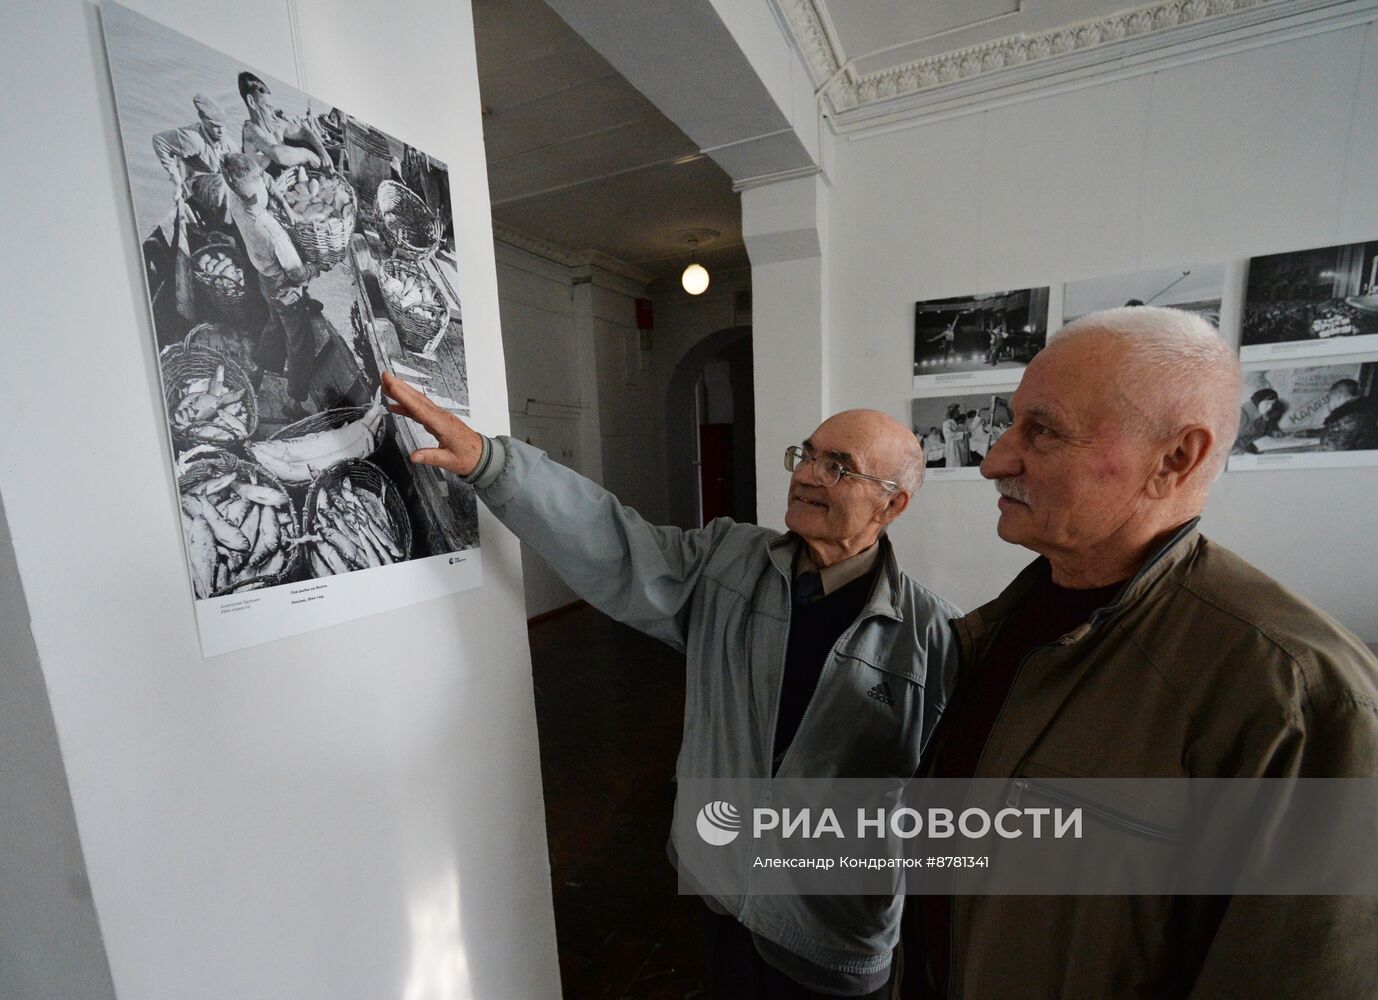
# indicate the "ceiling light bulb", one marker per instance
pixel 695 279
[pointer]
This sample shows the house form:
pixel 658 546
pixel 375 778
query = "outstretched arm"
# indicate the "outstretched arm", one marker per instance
pixel 642 575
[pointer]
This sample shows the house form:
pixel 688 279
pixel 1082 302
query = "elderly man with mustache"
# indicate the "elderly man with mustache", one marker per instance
pixel 1134 647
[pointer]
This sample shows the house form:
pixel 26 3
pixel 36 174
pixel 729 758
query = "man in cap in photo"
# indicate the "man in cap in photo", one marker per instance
pixel 192 156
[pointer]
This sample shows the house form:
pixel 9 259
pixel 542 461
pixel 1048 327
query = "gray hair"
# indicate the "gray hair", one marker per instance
pixel 910 473
pixel 1178 371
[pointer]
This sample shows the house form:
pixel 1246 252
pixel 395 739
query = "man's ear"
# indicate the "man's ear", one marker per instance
pixel 894 507
pixel 1181 461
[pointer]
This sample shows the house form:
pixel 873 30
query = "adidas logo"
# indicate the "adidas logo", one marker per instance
pixel 881 693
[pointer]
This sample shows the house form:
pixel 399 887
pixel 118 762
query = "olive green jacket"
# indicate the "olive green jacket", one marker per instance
pixel 1201 667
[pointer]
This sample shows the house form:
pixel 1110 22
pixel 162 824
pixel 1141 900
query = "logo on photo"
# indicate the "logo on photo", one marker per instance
pixel 719 823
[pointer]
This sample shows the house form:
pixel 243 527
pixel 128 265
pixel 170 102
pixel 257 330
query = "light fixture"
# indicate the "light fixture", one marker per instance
pixel 695 277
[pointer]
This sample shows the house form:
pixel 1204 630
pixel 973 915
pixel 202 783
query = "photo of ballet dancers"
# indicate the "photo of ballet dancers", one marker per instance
pixel 958 431
pixel 972 333
pixel 1195 288
pixel 1321 301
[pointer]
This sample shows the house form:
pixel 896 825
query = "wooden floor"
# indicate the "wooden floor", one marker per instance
pixel 609 704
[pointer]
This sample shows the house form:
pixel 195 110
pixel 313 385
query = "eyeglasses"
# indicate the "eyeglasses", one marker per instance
pixel 829 470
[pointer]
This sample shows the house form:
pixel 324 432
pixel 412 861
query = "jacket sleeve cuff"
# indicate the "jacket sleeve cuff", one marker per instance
pixel 491 462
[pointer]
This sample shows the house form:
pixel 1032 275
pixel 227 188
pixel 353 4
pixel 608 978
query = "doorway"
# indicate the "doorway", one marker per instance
pixel 710 432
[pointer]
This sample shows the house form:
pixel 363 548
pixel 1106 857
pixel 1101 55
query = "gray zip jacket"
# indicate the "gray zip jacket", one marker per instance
pixel 721 595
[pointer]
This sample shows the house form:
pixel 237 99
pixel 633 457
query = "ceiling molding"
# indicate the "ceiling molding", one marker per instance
pixel 514 237
pixel 814 37
pixel 1024 64
pixel 761 180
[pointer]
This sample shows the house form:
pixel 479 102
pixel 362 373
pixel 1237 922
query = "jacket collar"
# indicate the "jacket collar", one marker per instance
pixel 886 592
pixel 1034 575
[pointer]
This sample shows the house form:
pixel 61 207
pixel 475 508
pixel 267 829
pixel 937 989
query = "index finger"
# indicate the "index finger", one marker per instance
pixel 417 405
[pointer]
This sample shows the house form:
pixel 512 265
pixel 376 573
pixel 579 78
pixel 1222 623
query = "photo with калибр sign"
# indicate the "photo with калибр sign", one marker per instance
pixel 1308 417
pixel 973 340
pixel 1311 304
pixel 956 432
pixel 293 254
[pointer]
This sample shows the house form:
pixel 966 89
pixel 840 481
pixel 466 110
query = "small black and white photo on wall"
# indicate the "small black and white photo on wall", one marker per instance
pixel 983 339
pixel 957 431
pixel 1195 288
pixel 1308 417
pixel 1311 303
pixel 292 253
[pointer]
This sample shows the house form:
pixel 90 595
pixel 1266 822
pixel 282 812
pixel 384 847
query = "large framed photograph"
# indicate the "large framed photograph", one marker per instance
pixel 1196 288
pixel 983 339
pixel 1311 303
pixel 1308 417
pixel 293 253
pixel 957 431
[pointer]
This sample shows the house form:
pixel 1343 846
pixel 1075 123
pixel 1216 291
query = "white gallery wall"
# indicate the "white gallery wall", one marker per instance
pixel 353 813
pixel 1261 150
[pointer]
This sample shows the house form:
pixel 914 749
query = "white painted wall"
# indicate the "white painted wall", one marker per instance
pixel 551 405
pixel 1264 150
pixel 353 813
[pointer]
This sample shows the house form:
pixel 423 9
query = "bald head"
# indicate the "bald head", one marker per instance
pixel 887 446
pixel 1162 370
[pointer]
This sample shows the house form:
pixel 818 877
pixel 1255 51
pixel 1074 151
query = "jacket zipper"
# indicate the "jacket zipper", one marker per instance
pixel 1111 817
pixel 780 693
pixel 952 909
pixel 775 716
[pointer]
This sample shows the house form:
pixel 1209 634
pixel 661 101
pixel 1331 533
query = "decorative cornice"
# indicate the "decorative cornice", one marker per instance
pixel 1130 41
pixel 814 37
pixel 1020 50
pixel 514 237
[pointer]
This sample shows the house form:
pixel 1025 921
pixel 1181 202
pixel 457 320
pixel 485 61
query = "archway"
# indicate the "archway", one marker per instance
pixel 731 348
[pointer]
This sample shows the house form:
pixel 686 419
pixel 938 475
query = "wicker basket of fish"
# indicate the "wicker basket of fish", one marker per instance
pixel 218 270
pixel 414 303
pixel 408 225
pixel 226 339
pixel 240 524
pixel 355 519
pixel 300 452
pixel 326 209
pixel 209 398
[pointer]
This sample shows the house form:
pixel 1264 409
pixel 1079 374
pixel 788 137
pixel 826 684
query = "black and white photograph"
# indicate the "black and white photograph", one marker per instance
pixel 1196 288
pixel 957 431
pixel 1311 303
pixel 1314 416
pixel 978 339
pixel 293 254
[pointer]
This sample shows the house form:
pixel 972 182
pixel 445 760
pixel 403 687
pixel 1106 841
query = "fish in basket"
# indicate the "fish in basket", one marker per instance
pixel 326 210
pixel 209 398
pixel 239 523
pixel 414 303
pixel 355 519
pixel 218 270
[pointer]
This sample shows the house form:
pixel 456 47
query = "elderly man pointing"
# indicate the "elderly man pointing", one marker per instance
pixel 1133 647
pixel 809 654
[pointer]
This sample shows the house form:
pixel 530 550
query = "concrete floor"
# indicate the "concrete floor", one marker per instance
pixel 609 706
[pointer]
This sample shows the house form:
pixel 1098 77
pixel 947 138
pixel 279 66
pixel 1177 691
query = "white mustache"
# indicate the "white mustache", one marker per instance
pixel 1013 489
